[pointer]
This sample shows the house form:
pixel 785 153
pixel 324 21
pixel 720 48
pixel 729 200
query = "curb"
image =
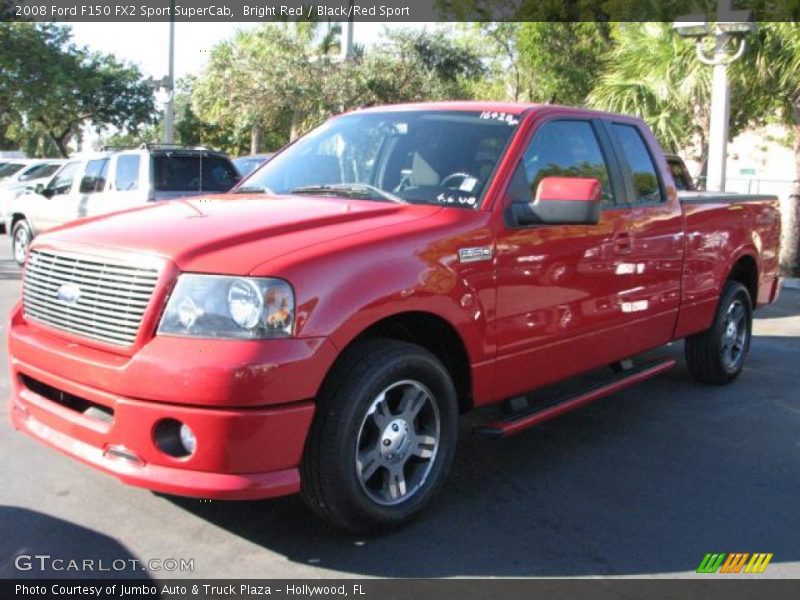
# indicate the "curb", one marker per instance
pixel 792 283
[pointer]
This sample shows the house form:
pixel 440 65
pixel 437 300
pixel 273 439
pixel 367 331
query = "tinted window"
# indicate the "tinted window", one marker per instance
pixel 643 171
pixel 127 176
pixel 62 182
pixel 560 149
pixel 193 173
pixel 94 179
pixel 683 180
pixel 40 171
pixel 9 169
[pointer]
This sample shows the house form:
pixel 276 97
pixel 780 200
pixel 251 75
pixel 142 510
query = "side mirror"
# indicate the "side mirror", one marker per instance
pixel 47 192
pixel 38 189
pixel 561 201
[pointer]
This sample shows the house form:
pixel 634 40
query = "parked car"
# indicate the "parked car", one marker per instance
pixel 247 164
pixel 31 169
pixel 38 175
pixel 111 181
pixel 320 329
pixel 10 168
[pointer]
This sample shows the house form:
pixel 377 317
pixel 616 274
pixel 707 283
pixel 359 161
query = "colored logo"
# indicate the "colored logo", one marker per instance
pixel 735 562
pixel 68 294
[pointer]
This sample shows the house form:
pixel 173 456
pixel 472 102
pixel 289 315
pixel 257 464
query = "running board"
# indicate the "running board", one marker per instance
pixel 533 416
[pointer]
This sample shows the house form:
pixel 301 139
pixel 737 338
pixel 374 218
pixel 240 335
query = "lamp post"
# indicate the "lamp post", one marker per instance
pixel 169 106
pixel 347 36
pixel 731 25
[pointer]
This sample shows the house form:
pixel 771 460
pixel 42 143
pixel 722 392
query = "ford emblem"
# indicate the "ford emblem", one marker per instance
pixel 68 294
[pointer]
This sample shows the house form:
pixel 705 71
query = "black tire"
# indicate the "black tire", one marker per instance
pixel 707 352
pixel 19 233
pixel 332 483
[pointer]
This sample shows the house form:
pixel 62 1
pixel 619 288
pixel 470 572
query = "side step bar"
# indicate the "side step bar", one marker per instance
pixel 533 416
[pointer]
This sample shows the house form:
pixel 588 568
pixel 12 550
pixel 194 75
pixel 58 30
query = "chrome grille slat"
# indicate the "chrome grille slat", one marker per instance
pixel 113 299
pixel 86 298
pixel 126 314
pixel 138 288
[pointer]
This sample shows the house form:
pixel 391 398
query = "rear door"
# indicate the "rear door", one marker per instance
pixel 653 233
pixel 126 185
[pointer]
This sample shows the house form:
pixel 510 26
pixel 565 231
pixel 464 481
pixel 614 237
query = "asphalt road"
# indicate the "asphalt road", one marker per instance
pixel 643 484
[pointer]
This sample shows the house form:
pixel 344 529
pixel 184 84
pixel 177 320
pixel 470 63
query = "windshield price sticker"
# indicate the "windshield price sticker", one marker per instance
pixel 500 116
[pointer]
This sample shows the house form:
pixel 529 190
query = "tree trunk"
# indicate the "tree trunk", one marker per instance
pixel 256 138
pixel 790 255
pixel 61 142
pixel 297 122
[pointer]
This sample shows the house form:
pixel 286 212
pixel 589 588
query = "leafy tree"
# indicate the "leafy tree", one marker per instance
pixel 51 87
pixel 772 69
pixel 284 79
pixel 654 74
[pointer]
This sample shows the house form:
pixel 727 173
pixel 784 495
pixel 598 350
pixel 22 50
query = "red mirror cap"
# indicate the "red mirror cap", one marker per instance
pixel 581 189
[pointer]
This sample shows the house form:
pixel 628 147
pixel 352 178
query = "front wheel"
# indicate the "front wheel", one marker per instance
pixel 717 355
pixel 383 438
pixel 21 237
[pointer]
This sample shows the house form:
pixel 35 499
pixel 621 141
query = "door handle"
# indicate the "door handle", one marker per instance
pixel 623 242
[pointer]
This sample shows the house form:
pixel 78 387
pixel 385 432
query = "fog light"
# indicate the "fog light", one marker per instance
pixel 174 438
pixel 187 439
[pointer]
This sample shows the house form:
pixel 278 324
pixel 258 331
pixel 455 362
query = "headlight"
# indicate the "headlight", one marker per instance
pixel 216 306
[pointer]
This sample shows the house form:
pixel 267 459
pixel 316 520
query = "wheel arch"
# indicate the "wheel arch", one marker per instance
pixel 432 332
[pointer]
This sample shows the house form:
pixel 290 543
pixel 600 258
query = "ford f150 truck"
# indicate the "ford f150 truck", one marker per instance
pixel 320 328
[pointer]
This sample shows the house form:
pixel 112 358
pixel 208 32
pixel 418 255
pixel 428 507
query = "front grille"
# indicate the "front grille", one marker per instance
pixel 100 299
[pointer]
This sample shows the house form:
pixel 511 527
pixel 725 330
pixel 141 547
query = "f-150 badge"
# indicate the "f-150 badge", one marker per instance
pixel 467 255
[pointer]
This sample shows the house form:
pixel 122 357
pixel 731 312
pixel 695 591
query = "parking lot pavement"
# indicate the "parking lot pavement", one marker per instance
pixel 643 483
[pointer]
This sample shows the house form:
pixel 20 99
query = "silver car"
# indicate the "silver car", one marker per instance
pixel 107 182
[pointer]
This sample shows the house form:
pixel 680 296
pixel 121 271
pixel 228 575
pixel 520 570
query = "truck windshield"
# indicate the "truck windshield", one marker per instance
pixel 422 157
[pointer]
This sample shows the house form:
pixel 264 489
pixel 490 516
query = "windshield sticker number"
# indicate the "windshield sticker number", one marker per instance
pixel 500 116
pixel 457 199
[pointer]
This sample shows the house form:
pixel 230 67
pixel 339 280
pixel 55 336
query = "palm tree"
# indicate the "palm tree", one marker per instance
pixel 654 74
pixel 773 66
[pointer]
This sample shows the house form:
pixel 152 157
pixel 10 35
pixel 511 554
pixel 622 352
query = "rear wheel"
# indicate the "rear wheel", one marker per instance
pixel 717 355
pixel 21 237
pixel 383 437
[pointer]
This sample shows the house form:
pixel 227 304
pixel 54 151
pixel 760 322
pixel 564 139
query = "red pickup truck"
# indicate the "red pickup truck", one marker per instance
pixel 321 328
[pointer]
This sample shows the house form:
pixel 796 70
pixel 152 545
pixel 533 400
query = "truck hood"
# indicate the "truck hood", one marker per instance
pixel 231 234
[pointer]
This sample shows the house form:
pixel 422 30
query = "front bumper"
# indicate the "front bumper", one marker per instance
pixel 69 397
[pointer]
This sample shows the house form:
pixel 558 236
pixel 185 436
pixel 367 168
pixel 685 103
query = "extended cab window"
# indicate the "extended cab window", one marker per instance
pixel 62 182
pixel 94 179
pixel 561 149
pixel 643 171
pixel 127 175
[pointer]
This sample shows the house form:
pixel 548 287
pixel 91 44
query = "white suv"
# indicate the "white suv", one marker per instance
pixel 110 181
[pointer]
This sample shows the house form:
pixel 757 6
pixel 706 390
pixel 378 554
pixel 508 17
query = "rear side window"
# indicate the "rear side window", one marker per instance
pixel 193 173
pixel 62 182
pixel 561 149
pixel 94 179
pixel 40 171
pixel 127 175
pixel 643 170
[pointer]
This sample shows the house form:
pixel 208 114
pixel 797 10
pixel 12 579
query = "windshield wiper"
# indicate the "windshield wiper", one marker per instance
pixel 253 190
pixel 350 190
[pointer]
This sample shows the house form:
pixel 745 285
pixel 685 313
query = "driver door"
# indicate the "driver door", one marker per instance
pixel 60 200
pixel 559 287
